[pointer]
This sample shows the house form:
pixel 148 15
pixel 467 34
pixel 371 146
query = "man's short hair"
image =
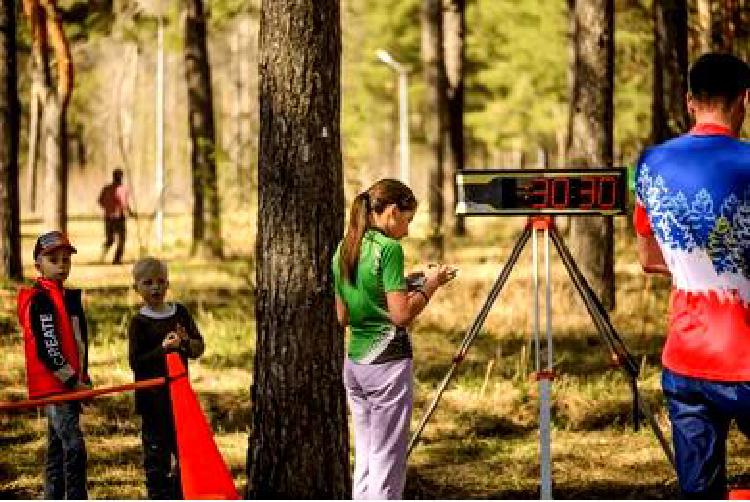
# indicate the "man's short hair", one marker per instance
pixel 117 174
pixel 148 266
pixel 718 76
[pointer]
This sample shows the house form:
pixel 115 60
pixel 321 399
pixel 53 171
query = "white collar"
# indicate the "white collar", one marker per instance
pixel 153 314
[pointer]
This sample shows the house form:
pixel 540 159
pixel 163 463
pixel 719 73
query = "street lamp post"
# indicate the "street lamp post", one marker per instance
pixel 403 110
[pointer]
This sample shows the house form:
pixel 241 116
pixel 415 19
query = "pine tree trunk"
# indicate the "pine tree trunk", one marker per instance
pixel 590 136
pixel 206 220
pixel 35 118
pixel 55 207
pixel 47 31
pixel 10 232
pixel 434 72
pixel 299 444
pixel 703 23
pixel 454 24
pixel 669 111
pixel 724 27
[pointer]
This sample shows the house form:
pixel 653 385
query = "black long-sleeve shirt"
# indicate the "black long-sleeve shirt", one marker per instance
pixel 44 326
pixel 146 333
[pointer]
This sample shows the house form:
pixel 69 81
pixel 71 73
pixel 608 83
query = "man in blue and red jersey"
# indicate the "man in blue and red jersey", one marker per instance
pixel 692 219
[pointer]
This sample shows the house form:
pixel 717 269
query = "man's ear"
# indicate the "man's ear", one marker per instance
pixel 690 104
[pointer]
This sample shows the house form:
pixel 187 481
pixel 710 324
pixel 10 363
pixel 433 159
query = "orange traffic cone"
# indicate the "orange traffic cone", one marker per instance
pixel 203 473
pixel 739 494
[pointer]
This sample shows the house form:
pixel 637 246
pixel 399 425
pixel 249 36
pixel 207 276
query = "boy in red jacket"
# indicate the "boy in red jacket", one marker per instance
pixel 56 344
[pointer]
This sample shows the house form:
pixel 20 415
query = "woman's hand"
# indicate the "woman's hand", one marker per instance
pixel 439 275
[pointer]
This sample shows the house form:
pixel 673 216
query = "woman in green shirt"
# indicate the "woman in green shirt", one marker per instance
pixel 372 298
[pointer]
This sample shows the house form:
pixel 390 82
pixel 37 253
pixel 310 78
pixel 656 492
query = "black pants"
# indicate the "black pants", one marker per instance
pixel 65 469
pixel 114 227
pixel 159 450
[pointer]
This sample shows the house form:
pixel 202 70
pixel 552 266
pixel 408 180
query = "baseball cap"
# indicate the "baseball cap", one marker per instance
pixel 50 241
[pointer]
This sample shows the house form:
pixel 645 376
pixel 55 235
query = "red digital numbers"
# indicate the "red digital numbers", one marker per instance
pixel 607 192
pixel 594 192
pixel 559 192
pixel 539 193
pixel 587 196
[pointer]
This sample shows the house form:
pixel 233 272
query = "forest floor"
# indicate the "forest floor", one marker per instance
pixel 483 440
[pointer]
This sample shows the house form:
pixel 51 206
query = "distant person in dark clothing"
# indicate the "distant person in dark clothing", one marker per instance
pixel 115 200
pixel 158 328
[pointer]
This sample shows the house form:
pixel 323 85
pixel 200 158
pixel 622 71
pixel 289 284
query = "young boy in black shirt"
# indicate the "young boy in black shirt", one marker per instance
pixel 158 327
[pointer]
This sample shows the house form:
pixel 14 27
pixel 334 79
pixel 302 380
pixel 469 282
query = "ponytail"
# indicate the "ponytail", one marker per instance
pixel 376 199
pixel 352 243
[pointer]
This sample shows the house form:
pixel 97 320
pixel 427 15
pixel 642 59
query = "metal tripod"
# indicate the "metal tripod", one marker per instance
pixel 619 352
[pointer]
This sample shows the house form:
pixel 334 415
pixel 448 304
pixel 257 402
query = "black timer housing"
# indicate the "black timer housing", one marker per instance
pixel 542 192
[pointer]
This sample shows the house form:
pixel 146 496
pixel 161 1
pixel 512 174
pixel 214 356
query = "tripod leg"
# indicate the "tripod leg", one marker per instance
pixel 472 333
pixel 431 409
pixel 595 308
pixel 614 342
pixel 651 419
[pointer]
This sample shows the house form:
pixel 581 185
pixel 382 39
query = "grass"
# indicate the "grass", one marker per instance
pixel 481 442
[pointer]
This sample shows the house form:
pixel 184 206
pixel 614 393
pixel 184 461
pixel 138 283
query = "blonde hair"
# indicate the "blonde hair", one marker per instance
pixel 148 266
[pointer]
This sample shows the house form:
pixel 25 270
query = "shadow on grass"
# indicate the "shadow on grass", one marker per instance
pixel 577 353
pixel 227 412
pixel 423 482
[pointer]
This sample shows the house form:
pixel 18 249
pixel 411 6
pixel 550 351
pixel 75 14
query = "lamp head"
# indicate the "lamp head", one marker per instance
pixel 385 57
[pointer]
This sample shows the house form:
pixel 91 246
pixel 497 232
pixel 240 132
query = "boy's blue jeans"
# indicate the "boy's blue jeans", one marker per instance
pixel 65 471
pixel 700 412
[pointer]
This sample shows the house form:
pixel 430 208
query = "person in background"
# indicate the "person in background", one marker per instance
pixel 373 298
pixel 692 219
pixel 158 328
pixel 56 346
pixel 114 199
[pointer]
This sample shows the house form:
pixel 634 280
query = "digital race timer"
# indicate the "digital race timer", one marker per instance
pixel 548 191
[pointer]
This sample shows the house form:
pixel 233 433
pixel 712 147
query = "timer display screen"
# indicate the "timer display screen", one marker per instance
pixel 549 192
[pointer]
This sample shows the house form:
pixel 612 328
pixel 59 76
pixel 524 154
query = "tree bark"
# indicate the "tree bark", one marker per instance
pixel 454 43
pixel 434 74
pixel 704 24
pixel 590 142
pixel 32 163
pixel 47 32
pixel 206 206
pixel 669 108
pixel 10 231
pixel 299 444
pixel 55 208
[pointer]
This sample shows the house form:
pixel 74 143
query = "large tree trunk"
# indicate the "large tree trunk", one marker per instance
pixel 454 38
pixel 10 233
pixel 434 74
pixel 299 445
pixel 669 110
pixel 590 135
pixel 202 133
pixel 47 32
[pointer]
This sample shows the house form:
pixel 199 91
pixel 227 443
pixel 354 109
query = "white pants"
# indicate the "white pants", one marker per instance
pixel 380 401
